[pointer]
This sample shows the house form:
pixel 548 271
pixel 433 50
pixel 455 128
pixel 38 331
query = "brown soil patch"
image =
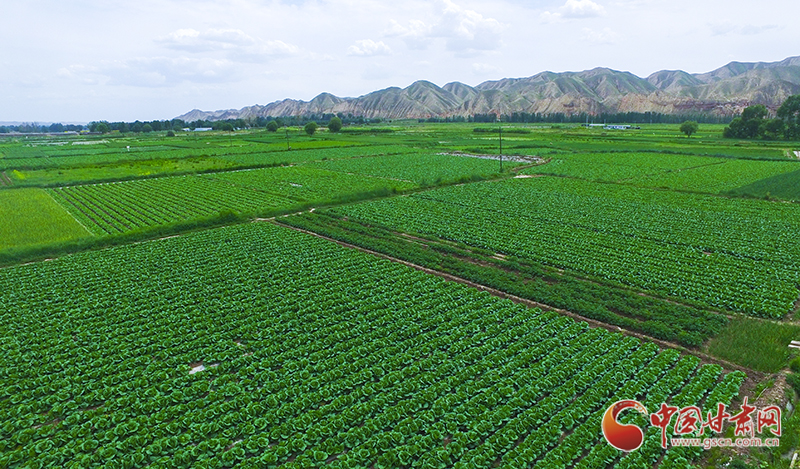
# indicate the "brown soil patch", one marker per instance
pixel 773 395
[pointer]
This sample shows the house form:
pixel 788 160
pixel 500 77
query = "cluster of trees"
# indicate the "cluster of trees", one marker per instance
pixel 269 123
pixel 274 123
pixel 446 119
pixel 137 126
pixel 334 125
pixel 33 128
pixel 754 122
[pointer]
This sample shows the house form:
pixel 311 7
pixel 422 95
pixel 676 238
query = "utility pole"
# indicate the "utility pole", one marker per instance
pixel 500 131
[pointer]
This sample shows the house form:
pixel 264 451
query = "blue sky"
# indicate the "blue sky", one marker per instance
pixel 155 59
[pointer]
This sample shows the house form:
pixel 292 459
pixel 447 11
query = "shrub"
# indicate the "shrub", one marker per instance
pixel 335 124
pixel 793 380
pixel 310 128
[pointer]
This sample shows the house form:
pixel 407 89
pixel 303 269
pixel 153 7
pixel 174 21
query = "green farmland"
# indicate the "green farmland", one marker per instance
pixel 391 297
pixel 290 363
pixel 32 217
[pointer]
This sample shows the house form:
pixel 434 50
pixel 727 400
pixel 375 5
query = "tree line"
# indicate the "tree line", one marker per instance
pixel 753 122
pixel 33 128
pixel 270 123
pixel 603 117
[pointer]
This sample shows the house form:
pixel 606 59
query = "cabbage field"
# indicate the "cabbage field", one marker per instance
pixel 716 252
pixel 392 297
pixel 258 346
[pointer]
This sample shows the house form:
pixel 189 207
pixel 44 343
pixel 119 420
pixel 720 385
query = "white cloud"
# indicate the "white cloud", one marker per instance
pixel 464 31
pixel 153 72
pixel 605 36
pixel 581 9
pixel 234 42
pixel 265 50
pixel 725 28
pixel 416 35
pixel 575 9
pixel 211 40
pixel 482 68
pixel 368 48
pixel 467 30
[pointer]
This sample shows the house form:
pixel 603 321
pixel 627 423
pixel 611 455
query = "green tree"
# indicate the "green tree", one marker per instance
pixel 102 127
pixel 789 112
pixel 754 112
pixel 227 127
pixel 335 124
pixel 310 128
pixel 773 129
pixel 272 126
pixel 749 125
pixel 147 128
pixel 689 127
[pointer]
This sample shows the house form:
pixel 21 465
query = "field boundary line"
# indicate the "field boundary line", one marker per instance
pixel 668 171
pixel 70 213
pixel 517 299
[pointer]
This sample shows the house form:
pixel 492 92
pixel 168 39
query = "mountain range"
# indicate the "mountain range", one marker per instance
pixel 724 91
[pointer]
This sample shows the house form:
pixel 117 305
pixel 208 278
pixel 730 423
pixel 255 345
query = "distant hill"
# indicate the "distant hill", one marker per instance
pixel 724 91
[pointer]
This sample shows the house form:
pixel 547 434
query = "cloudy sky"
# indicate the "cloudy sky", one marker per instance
pixel 115 60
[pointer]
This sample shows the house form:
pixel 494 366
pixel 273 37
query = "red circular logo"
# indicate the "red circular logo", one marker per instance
pixel 623 437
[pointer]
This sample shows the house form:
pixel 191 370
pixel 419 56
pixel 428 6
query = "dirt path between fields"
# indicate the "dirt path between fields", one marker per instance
pixel 753 376
pixel 5 180
pixel 511 158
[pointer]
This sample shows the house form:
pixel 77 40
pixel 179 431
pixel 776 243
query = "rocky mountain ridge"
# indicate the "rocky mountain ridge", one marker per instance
pixel 724 91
